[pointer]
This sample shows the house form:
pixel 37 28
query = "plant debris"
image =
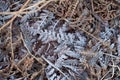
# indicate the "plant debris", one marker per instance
pixel 59 40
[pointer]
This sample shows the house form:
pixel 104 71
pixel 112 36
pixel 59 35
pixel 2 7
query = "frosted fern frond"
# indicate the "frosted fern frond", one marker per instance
pixel 107 34
pixel 4 6
pixel 61 37
pixel 73 68
pixel 58 45
pixel 28 16
pixel 47 36
pixel 4 18
pixel 44 20
pixel 72 54
pixel 93 61
pixel 118 46
pixel 72 62
pixel 27 36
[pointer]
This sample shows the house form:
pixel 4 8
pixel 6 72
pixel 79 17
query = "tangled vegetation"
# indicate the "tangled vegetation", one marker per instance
pixel 59 40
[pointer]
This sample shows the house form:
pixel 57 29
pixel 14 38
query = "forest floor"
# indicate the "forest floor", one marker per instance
pixel 59 40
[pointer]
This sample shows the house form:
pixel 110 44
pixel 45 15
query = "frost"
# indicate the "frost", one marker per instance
pixel 118 46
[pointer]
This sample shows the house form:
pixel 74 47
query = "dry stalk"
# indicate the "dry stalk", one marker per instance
pixel 23 11
pixel 106 74
pixel 113 71
pixel 22 59
pixel 92 5
pixel 29 53
pixel 54 67
pixel 35 5
pixel 11 43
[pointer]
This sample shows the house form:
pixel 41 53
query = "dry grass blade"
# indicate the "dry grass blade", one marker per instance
pixel 23 11
pixel 35 5
pixel 39 8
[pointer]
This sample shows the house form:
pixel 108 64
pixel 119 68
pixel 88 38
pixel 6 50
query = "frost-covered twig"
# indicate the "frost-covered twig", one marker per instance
pixel 54 66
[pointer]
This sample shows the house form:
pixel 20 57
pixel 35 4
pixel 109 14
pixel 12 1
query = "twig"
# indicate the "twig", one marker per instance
pixel 22 59
pixel 112 55
pixel 11 44
pixel 113 70
pixel 26 12
pixel 36 4
pixel 29 53
pixel 39 8
pixel 54 66
pixel 106 74
pixel 92 5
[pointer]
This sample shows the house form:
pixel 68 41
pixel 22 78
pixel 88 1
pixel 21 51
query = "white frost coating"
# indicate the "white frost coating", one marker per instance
pixel 118 47
pixel 64 46
pixel 53 77
pixel 73 54
pixel 51 71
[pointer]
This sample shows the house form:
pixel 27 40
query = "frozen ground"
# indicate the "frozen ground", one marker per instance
pixel 59 40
